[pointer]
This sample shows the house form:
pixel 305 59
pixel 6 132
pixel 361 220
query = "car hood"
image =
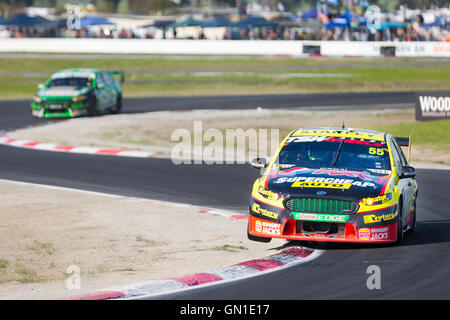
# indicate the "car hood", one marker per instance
pixel 338 183
pixel 62 91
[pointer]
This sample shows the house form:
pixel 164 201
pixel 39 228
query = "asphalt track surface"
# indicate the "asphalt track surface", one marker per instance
pixel 418 269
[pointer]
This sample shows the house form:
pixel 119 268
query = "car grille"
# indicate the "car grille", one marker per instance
pixel 56 106
pixel 319 205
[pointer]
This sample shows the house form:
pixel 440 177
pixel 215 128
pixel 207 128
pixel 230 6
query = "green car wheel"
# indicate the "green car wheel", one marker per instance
pixel 92 108
pixel 118 107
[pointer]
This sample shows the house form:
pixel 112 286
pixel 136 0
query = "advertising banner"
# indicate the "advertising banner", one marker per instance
pixel 432 105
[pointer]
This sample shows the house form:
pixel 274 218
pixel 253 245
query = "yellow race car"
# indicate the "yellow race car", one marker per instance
pixel 335 184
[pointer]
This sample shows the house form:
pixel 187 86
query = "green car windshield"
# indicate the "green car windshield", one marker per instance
pixel 327 152
pixel 76 82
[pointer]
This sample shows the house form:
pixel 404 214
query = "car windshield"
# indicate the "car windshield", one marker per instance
pixel 320 152
pixel 76 82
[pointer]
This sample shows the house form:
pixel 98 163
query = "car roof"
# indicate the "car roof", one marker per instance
pixel 75 72
pixel 340 132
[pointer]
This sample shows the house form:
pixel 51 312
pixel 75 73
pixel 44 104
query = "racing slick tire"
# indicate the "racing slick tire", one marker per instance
pixel 399 223
pixel 92 108
pixel 118 107
pixel 256 238
pixel 413 227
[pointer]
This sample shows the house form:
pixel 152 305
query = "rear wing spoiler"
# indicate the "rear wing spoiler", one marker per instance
pixel 118 73
pixel 405 142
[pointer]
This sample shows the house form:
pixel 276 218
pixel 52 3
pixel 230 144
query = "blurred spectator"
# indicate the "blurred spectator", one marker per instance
pixel 414 30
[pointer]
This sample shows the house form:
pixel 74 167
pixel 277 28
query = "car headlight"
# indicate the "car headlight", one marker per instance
pixel 37 99
pixel 377 200
pixel 79 98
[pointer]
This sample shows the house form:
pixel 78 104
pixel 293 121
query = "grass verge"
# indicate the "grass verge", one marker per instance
pixel 158 76
pixel 433 134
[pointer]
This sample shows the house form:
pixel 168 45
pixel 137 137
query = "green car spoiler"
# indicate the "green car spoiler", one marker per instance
pixel 118 73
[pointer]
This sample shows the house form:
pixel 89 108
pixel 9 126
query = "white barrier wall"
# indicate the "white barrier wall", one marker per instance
pixel 225 47
pixel 350 48
pixel 148 46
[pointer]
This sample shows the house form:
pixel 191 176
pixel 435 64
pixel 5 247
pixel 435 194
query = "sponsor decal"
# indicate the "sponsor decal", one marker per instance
pixel 372 218
pixel 256 208
pixel 364 234
pixel 334 172
pixel 338 218
pixel 433 105
pixel 379 233
pixel 373 233
pixel 376 200
pixel 330 185
pixel 293 170
pixel 380 171
pixel 270 228
pixel 285 166
pixel 371 143
pixel 320 182
pixel 258 226
pixel 306 139
pixel 267 193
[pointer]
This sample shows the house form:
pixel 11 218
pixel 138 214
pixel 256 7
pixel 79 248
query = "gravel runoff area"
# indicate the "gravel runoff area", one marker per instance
pixel 50 233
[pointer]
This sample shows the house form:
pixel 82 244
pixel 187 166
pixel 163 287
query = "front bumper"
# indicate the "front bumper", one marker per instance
pixel 65 109
pixel 378 226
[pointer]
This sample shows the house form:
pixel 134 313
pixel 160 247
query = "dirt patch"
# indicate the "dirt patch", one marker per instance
pixel 113 241
pixel 155 132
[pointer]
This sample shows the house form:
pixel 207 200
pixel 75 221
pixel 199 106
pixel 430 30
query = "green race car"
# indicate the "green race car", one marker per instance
pixel 76 92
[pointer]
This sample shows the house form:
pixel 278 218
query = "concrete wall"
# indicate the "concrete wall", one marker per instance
pixel 227 47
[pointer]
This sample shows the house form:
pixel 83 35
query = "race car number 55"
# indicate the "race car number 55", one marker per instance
pixel 377 151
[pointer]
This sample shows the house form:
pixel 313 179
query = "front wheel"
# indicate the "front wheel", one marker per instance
pixel 118 107
pixel 92 108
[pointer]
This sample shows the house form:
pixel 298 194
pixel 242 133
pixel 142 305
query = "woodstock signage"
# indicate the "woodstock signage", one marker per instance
pixel 432 105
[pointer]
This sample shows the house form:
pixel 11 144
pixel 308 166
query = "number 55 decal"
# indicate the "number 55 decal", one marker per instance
pixel 377 151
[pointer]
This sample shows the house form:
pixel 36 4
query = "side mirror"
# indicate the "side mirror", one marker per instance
pixel 259 163
pixel 41 86
pixel 407 172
